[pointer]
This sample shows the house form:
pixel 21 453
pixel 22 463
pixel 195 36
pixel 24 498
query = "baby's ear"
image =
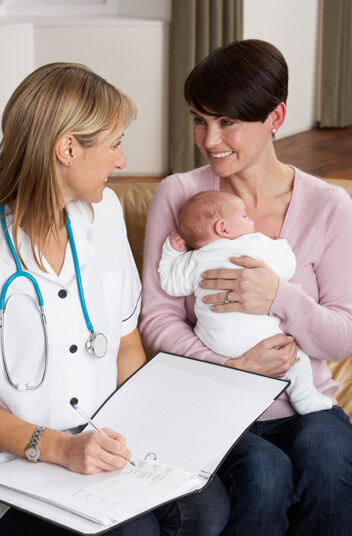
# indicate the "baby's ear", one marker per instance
pixel 220 228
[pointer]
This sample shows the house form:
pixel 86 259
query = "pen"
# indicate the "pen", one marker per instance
pixel 74 402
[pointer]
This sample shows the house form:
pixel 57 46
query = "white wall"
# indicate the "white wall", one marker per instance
pixel 132 55
pixel 16 58
pixel 149 9
pixel 292 26
pixel 58 7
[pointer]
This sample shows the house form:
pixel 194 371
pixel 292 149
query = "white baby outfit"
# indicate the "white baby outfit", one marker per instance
pixel 233 334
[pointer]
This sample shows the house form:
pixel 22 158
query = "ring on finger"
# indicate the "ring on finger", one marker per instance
pixel 227 300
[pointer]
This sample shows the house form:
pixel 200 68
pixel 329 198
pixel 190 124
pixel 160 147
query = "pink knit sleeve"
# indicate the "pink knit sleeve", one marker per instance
pixel 323 329
pixel 166 321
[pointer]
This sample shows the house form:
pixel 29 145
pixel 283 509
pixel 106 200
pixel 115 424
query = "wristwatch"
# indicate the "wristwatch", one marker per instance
pixel 32 450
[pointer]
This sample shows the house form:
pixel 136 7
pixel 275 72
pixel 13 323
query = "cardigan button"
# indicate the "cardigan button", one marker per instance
pixel 73 348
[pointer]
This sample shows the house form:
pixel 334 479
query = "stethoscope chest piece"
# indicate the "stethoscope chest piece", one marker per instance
pixel 97 344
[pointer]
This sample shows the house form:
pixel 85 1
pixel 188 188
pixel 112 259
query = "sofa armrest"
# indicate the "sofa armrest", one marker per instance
pixel 342 372
pixel 135 199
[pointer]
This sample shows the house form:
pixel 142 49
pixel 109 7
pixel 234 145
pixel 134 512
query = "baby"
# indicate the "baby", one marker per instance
pixel 216 226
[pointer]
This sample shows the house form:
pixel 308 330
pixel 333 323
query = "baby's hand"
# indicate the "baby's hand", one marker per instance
pixel 177 242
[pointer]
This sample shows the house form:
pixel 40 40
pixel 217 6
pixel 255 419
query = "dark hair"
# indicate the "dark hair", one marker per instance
pixel 244 80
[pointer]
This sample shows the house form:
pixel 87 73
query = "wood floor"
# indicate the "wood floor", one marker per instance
pixel 325 153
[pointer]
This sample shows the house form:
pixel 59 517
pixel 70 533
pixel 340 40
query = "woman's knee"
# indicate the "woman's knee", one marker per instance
pixel 261 470
pixel 322 460
pixel 205 513
pixel 322 456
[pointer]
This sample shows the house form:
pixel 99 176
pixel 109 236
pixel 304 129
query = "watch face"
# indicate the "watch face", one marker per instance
pixel 32 453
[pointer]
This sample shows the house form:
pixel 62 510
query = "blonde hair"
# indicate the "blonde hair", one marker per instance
pixel 198 215
pixel 54 100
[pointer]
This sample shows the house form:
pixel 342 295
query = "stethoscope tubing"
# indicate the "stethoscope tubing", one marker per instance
pixel 92 346
pixel 20 273
pixel 46 350
pixel 11 279
pixel 78 275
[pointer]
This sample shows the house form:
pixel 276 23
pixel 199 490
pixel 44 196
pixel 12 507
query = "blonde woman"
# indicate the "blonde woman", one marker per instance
pixel 64 237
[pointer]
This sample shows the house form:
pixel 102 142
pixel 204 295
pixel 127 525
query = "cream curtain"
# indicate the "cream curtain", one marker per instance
pixel 198 26
pixel 335 85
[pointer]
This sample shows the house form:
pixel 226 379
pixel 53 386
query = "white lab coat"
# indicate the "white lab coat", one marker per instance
pixel 112 292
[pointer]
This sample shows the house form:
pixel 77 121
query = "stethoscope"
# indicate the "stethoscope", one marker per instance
pixel 97 343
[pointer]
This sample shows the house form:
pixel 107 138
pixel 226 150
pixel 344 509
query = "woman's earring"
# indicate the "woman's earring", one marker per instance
pixel 69 163
pixel 273 130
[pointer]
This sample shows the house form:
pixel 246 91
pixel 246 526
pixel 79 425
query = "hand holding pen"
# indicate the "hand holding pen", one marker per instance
pixel 74 404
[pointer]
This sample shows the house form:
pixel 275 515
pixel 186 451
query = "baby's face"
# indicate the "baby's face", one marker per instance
pixel 237 222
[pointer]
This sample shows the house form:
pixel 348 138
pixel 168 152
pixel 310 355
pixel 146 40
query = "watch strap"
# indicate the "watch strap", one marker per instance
pixel 33 443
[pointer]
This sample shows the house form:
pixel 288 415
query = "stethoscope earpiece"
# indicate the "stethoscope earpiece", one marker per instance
pixel 31 384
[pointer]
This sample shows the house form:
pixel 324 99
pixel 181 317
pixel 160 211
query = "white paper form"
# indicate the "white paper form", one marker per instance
pixel 89 510
pixel 188 412
pixel 148 482
pixel 116 495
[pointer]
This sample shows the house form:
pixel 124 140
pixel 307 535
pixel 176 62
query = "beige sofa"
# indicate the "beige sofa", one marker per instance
pixel 135 199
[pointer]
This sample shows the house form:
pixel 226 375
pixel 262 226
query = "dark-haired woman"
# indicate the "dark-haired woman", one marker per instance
pixel 289 474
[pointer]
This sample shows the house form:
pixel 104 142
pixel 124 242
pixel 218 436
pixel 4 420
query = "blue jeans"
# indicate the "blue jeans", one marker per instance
pixel 292 476
pixel 200 514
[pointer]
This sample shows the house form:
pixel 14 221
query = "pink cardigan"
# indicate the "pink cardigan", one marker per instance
pixel 315 306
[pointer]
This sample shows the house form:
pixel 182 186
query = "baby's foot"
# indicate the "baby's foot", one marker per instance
pixel 315 401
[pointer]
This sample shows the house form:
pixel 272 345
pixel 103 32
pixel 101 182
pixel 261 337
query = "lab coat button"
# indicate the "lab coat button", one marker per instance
pixel 62 293
pixel 73 349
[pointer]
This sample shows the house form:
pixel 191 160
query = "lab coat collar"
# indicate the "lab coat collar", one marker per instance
pixel 81 221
